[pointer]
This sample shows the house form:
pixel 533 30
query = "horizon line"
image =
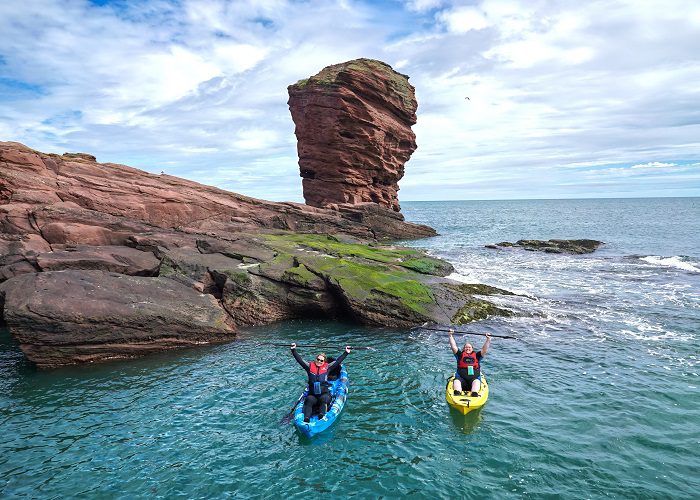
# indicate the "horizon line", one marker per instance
pixel 556 199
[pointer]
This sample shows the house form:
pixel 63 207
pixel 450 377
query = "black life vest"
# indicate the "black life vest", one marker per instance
pixel 318 378
pixel 468 365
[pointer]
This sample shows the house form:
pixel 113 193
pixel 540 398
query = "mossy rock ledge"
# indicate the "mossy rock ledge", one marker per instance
pixel 261 278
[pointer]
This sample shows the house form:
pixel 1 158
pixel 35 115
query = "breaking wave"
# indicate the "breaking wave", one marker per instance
pixel 674 262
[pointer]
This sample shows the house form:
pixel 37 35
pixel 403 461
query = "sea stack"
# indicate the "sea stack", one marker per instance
pixel 353 126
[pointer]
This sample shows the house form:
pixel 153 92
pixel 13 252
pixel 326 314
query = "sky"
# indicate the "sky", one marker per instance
pixel 567 99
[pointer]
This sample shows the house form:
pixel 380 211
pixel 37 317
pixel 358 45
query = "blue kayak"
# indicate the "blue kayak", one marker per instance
pixel 339 393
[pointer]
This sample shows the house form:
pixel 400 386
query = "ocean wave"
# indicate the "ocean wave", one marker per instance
pixel 675 262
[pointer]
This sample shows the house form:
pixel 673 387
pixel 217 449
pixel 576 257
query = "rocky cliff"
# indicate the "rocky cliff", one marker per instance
pixel 353 126
pixel 101 261
pixel 72 197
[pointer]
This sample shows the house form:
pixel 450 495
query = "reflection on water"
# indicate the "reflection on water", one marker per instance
pixel 466 423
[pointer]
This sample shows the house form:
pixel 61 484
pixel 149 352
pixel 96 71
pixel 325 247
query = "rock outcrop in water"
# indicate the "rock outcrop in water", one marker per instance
pixel 79 316
pixel 552 246
pixel 103 261
pixel 353 126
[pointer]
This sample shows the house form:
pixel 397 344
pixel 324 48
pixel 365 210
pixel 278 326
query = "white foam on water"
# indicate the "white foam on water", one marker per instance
pixel 675 262
pixel 462 278
pixel 643 329
pixel 602 298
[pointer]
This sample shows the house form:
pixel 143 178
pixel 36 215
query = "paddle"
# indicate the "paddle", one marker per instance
pixel 466 333
pixel 317 346
pixel 288 416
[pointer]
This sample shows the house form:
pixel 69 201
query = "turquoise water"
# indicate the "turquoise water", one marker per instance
pixel 599 399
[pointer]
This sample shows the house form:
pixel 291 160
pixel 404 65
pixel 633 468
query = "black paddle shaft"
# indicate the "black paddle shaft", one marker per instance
pixel 466 333
pixel 317 346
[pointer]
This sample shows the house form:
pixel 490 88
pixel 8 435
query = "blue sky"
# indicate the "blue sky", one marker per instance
pixel 567 99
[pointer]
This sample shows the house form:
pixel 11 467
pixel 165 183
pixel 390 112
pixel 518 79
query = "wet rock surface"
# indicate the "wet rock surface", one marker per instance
pixel 552 246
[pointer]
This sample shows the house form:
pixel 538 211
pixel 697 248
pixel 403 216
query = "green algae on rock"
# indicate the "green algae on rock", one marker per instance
pixel 331 245
pixel 478 309
pixel 336 277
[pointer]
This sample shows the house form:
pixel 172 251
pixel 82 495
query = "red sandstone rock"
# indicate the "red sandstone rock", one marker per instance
pixel 117 259
pixel 72 199
pixel 18 254
pixel 69 317
pixel 69 212
pixel 353 126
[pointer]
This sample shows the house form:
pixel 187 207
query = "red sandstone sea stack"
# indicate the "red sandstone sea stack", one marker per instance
pixel 353 126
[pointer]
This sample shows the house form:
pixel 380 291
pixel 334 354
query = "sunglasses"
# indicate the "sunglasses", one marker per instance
pixel 321 359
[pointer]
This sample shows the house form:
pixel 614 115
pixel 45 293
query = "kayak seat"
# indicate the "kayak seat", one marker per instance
pixel 333 374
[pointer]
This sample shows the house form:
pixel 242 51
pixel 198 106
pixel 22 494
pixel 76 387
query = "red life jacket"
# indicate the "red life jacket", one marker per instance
pixel 318 377
pixel 468 365
pixel 467 360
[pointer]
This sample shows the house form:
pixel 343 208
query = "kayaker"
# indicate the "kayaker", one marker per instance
pixel 317 372
pixel 468 365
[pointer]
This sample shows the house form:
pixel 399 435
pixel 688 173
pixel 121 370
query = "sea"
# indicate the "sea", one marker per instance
pixel 597 397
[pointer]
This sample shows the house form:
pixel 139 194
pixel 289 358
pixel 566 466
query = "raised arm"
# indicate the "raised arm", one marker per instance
pixel 339 359
pixel 453 344
pixel 303 363
pixel 487 344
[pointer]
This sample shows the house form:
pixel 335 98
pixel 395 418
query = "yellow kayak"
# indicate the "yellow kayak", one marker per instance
pixel 465 404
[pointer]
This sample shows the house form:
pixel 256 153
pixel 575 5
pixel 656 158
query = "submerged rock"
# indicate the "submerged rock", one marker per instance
pixel 552 246
pixel 353 126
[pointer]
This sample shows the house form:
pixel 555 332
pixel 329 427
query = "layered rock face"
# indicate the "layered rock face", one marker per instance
pixel 77 200
pixel 82 316
pixel 353 126
pixel 103 261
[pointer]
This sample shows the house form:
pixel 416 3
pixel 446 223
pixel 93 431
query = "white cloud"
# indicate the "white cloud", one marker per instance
pixel 558 91
pixel 654 165
pixel 464 19
pixel 161 77
pixel 255 139
pixel 237 57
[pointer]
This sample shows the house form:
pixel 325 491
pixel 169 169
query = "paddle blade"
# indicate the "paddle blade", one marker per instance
pixel 288 417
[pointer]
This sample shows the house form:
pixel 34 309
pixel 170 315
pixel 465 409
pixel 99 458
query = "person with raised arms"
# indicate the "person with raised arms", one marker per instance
pixel 318 371
pixel 467 376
